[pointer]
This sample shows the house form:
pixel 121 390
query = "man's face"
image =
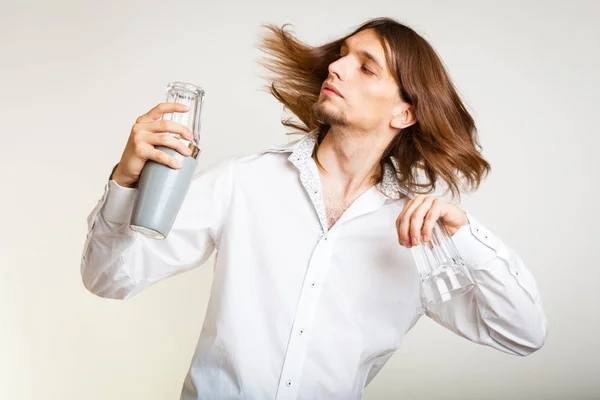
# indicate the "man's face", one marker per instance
pixel 369 94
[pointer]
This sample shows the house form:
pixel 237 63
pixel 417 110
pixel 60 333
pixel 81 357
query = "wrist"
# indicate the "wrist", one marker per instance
pixel 121 179
pixel 452 229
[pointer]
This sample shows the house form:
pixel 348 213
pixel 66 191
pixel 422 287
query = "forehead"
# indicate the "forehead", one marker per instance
pixel 366 38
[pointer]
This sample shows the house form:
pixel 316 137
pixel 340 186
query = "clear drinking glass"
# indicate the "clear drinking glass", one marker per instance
pixel 162 189
pixel 443 272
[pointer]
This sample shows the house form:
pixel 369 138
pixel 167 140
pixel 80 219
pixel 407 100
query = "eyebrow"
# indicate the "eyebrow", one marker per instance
pixel 367 55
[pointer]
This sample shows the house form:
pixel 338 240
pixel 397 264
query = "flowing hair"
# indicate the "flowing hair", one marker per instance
pixel 441 144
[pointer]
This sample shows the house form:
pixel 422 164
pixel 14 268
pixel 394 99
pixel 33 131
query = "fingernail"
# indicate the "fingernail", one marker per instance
pixel 424 237
pixel 415 241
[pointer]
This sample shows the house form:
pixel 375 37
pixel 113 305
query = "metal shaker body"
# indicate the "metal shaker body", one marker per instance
pixel 162 189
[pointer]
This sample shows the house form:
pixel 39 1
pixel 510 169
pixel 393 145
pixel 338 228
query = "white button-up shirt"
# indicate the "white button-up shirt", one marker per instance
pixel 298 310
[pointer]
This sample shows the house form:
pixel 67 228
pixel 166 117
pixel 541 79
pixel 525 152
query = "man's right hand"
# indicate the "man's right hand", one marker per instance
pixel 150 130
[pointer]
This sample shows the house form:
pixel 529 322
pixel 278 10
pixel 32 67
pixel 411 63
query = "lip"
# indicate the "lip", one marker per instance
pixel 330 89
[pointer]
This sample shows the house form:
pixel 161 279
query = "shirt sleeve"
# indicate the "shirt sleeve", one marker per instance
pixel 118 262
pixel 504 310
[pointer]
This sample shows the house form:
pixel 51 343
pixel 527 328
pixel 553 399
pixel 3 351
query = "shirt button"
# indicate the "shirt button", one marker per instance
pixel 300 331
pixel 312 284
pixel 289 383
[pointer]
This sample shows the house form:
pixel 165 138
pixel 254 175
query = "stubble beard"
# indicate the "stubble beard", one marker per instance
pixel 326 115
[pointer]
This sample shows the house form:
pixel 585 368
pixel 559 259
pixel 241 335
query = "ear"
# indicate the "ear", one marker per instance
pixel 404 118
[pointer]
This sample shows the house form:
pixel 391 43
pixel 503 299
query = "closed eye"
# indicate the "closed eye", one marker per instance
pixel 363 68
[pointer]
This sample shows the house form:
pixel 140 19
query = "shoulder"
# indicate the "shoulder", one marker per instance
pixel 264 162
pixel 287 147
pixel 267 156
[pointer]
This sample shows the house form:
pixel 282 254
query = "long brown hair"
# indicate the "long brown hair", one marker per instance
pixel 443 142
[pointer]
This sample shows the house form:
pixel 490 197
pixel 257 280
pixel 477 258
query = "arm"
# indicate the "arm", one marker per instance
pixel 119 263
pixel 504 310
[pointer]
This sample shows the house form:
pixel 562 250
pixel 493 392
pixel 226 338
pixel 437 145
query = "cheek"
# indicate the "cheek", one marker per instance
pixel 373 104
pixel 370 102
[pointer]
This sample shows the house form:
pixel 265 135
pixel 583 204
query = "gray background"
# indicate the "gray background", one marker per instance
pixel 76 75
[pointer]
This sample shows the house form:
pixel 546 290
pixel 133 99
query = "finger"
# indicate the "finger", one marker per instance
pixel 403 220
pixel 407 205
pixel 411 205
pixel 147 151
pixel 162 157
pixel 159 110
pixel 417 218
pixel 164 125
pixel 433 215
pixel 165 139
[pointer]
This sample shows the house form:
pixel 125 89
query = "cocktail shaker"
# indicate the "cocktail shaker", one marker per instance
pixel 162 189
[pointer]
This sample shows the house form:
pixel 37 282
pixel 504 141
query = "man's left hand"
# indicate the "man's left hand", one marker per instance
pixel 419 215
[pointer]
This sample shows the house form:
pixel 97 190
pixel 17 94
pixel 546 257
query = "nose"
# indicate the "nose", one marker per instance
pixel 337 68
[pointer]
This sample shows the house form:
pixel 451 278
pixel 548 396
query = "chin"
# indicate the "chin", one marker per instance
pixel 329 114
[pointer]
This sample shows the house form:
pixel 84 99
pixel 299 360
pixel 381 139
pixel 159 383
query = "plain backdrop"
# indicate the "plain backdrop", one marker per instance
pixel 76 74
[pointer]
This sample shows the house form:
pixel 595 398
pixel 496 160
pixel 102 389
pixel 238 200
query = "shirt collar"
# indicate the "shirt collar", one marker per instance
pixel 301 150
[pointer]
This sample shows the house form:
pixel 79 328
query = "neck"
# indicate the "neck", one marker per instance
pixel 350 159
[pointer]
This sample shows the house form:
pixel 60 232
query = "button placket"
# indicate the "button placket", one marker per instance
pixel 297 345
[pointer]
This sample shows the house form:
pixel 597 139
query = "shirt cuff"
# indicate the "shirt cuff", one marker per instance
pixel 119 203
pixel 475 244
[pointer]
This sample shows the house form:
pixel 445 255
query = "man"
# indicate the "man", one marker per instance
pixel 314 283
